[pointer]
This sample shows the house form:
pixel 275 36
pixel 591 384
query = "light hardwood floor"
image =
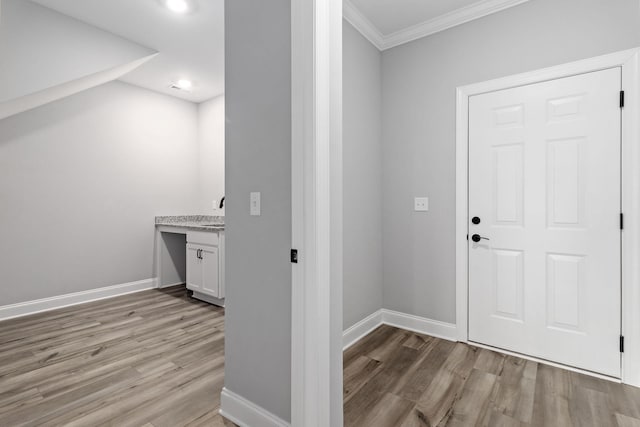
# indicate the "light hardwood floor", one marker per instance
pixel 398 378
pixel 153 358
pixel 156 358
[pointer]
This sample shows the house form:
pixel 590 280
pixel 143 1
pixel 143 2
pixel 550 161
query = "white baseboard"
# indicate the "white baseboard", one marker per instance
pixel 358 331
pixel 421 325
pixel 52 303
pixel 171 284
pixel 239 410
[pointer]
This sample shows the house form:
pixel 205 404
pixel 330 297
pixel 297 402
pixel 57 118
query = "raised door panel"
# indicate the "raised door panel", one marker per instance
pixel 194 268
pixel 210 271
pixel 565 292
pixel 507 170
pixel 566 184
pixel 508 280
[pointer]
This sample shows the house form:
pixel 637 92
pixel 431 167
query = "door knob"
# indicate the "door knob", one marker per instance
pixel 475 220
pixel 476 238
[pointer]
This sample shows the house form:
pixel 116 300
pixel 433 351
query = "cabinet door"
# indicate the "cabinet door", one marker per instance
pixel 194 268
pixel 210 270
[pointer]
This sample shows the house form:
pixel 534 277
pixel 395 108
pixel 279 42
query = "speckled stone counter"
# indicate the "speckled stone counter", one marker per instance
pixel 192 222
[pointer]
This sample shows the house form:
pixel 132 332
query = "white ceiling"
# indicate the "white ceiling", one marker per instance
pixel 191 46
pixel 389 23
pixel 390 16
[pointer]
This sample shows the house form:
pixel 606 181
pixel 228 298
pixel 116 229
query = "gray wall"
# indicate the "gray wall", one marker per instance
pixel 81 180
pixel 419 82
pixel 258 158
pixel 173 258
pixel 211 154
pixel 362 176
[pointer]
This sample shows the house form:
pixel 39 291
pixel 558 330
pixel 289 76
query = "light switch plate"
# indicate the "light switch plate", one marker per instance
pixel 421 204
pixel 254 204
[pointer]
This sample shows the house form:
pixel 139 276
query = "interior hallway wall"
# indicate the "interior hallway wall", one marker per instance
pixel 258 158
pixel 362 177
pixel 81 180
pixel 419 83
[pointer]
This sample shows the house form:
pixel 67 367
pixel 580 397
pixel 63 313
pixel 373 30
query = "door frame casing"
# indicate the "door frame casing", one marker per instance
pixel 629 63
pixel 316 156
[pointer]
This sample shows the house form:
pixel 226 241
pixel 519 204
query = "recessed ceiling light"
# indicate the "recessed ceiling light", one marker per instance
pixel 177 6
pixel 183 84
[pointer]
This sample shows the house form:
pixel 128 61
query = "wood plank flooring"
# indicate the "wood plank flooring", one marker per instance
pixel 156 358
pixel 394 377
pixel 153 359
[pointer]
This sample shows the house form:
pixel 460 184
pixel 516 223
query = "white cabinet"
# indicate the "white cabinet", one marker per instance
pixel 205 266
pixel 210 271
pixel 203 270
pixel 194 267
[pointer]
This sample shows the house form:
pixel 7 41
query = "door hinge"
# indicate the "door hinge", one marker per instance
pixel 621 344
pixel 621 221
pixel 294 256
pixel 621 99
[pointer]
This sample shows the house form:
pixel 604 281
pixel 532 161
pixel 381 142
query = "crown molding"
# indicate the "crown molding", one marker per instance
pixel 361 23
pixel 448 20
pixel 454 18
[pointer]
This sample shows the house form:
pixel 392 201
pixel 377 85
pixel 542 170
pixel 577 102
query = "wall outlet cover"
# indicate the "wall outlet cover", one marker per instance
pixel 421 204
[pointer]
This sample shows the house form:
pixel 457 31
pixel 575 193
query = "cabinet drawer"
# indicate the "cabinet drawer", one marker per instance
pixel 203 238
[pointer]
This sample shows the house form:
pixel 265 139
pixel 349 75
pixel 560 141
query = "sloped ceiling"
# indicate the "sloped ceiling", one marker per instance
pixel 45 55
pixel 191 44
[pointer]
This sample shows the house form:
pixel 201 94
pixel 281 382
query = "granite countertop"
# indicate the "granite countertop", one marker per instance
pixel 192 222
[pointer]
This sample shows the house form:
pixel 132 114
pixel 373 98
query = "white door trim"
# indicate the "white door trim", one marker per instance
pixel 316 346
pixel 629 62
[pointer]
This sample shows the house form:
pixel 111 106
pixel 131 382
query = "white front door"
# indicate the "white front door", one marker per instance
pixel 544 198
